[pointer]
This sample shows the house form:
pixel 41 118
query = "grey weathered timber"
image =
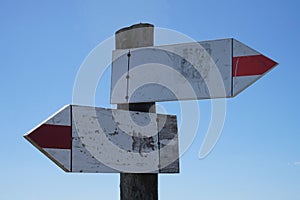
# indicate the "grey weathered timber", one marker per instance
pixel 190 71
pixel 101 140
pixel 137 186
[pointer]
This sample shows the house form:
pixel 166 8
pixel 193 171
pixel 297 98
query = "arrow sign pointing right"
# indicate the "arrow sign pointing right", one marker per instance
pixel 200 70
pixel 89 139
pixel 248 66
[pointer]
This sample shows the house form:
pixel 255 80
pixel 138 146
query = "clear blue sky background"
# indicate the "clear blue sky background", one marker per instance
pixel 43 43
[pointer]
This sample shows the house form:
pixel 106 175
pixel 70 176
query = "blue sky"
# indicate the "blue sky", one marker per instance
pixel 42 45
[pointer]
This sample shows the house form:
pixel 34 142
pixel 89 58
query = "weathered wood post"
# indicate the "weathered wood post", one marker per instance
pixel 137 186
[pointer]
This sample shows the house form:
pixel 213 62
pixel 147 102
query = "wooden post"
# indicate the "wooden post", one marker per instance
pixel 137 186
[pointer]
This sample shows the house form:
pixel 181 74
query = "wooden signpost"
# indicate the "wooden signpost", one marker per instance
pixel 136 185
pixel 133 140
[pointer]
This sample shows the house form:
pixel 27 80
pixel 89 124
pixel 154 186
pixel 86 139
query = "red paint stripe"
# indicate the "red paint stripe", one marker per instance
pixel 251 65
pixel 52 136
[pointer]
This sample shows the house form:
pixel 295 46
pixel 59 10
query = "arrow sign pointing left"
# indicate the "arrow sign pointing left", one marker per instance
pixel 89 139
pixel 53 138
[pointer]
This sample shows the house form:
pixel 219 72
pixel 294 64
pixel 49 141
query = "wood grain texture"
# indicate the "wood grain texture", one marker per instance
pixel 137 186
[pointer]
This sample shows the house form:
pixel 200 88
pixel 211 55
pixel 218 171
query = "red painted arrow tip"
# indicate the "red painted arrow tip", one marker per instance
pixel 51 136
pixel 251 65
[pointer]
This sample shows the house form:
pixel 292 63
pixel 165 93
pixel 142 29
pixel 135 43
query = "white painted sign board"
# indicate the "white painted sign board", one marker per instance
pixel 200 70
pixel 89 139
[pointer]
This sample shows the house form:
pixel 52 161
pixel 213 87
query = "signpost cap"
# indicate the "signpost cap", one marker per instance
pixel 139 25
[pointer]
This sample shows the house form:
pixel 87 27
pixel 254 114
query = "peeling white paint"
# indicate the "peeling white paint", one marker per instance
pixel 106 140
pixel 60 156
pixel 173 72
pixel 61 117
